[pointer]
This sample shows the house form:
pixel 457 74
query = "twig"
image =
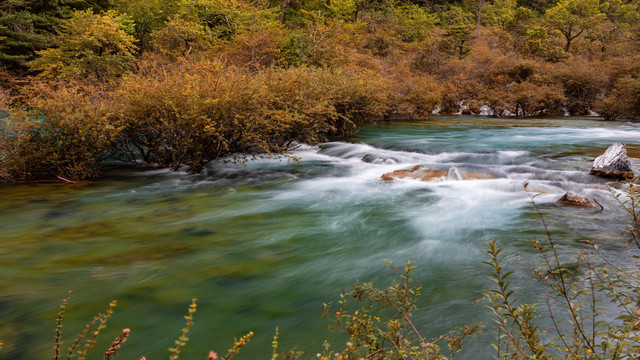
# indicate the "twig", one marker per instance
pixel 66 180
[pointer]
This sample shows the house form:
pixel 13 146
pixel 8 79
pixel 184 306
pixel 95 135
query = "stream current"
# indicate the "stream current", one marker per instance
pixel 265 243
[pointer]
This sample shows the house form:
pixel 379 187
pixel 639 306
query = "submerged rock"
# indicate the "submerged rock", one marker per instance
pixel 575 200
pixel 417 172
pixel 614 163
pixel 455 174
pixel 369 158
pixel 468 175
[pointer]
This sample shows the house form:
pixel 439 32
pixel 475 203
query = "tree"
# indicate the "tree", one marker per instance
pixel 414 23
pixel 89 45
pixel 573 17
pixel 180 37
pixel 28 26
pixel 458 25
pixel 148 15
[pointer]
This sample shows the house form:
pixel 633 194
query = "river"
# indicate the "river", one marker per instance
pixel 265 242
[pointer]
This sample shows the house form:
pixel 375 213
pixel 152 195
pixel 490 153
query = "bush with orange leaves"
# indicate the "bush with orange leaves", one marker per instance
pixel 67 132
pixel 197 111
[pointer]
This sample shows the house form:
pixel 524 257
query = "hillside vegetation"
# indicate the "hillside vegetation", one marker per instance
pixel 183 82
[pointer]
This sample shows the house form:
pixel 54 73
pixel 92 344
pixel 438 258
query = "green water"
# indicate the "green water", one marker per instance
pixel 266 243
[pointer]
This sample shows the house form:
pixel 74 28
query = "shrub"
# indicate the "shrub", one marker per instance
pixel 623 102
pixel 181 114
pixel 296 49
pixel 583 84
pixel 537 99
pixel 258 46
pixel 576 287
pixel 195 112
pixel 413 95
pixel 379 323
pixel 67 134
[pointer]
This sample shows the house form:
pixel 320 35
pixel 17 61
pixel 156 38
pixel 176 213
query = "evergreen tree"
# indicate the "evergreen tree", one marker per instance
pixel 27 26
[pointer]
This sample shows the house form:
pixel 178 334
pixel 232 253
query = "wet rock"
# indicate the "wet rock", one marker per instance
pixel 539 191
pixel 575 200
pixel 455 174
pixel 614 163
pixel 418 172
pixel 369 158
pixel 468 175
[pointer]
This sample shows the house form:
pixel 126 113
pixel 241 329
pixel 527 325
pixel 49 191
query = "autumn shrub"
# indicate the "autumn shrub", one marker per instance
pixel 533 98
pixel 257 46
pixel 379 323
pixel 316 103
pixel 427 59
pixel 578 286
pixel 67 132
pixel 5 99
pixel 583 83
pixel 515 68
pixel 461 87
pixel 198 111
pixel 290 106
pixel 414 95
pixel 623 102
pixel 358 98
pixel 181 114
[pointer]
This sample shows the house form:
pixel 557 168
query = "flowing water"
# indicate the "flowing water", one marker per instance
pixel 266 243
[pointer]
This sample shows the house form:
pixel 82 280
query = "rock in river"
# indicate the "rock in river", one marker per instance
pixel 614 163
pixel 575 200
pixel 418 172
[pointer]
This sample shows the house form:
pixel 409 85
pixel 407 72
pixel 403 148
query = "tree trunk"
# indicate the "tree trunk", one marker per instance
pixel 283 10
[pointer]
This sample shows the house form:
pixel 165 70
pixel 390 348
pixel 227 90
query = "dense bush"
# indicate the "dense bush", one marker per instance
pixel 68 133
pixel 623 102
pixel 193 112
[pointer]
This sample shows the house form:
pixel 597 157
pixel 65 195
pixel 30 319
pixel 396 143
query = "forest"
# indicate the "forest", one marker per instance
pixel 88 87
pixel 178 83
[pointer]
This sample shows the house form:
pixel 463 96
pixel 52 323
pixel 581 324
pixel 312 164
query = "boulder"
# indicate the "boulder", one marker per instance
pixel 418 172
pixel 575 200
pixel 614 163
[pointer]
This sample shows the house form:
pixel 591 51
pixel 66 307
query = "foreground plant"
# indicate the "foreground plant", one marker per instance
pixel 576 287
pixel 380 326
pixel 100 320
pixel 100 323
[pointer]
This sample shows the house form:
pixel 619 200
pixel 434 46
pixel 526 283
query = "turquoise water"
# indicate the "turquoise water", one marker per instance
pixel 267 242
